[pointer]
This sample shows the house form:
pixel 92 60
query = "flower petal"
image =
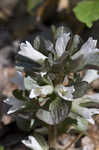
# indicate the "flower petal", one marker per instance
pixel 86 113
pixel 16 104
pixel 32 143
pixel 91 75
pixel 47 89
pixel 87 48
pixel 30 83
pixel 35 92
pixel 61 44
pixel 93 97
pixel 65 92
pixel 28 51
pixel 19 80
pixel 42 91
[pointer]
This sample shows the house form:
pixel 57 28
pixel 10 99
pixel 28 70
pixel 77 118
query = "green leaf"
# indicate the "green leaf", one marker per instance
pixel 43 45
pixel 59 110
pixel 25 124
pixel 21 95
pixel 41 141
pixel 32 107
pixel 82 124
pixel 65 125
pixel 1 148
pixel 87 11
pixel 80 89
pixel 45 116
pixel 32 4
pixel 27 67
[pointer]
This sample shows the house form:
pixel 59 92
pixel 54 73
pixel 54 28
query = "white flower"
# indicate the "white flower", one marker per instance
pixel 41 91
pixel 65 92
pixel 28 51
pixel 61 44
pixel 16 104
pixel 87 48
pixel 91 98
pixel 18 79
pixel 32 143
pixel 86 113
pixel 91 75
pixel 30 83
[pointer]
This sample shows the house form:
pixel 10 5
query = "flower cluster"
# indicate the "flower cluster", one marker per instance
pixel 42 91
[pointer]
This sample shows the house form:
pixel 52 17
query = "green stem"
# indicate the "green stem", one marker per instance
pixel 52 134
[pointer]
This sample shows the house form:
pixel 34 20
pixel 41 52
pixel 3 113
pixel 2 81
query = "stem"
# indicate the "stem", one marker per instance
pixel 74 141
pixel 52 137
pixel 53 32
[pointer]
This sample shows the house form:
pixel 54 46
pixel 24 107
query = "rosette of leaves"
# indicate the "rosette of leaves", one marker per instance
pixel 49 94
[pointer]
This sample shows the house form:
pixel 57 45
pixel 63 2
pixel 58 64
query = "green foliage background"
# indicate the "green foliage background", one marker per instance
pixel 87 11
